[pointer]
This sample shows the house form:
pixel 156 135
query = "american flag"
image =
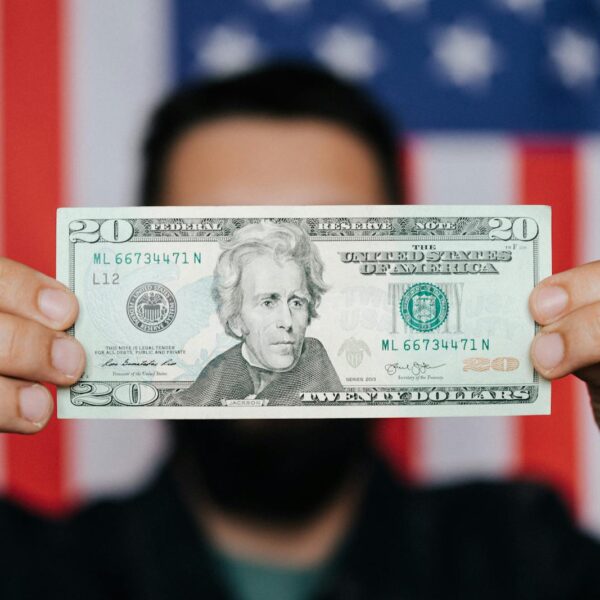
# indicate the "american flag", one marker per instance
pixel 499 101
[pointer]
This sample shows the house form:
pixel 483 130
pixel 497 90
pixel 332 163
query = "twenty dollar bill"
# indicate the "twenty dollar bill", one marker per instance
pixel 302 312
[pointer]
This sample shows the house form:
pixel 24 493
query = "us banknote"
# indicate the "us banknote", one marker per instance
pixel 303 312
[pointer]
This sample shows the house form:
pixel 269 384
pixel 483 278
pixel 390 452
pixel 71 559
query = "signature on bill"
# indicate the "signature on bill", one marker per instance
pixel 416 367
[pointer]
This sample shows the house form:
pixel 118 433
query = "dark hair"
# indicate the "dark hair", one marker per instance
pixel 280 90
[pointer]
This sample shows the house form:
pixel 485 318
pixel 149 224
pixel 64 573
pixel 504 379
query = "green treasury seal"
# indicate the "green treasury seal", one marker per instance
pixel 424 306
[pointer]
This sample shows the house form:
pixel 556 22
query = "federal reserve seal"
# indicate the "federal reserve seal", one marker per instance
pixel 151 307
pixel 424 306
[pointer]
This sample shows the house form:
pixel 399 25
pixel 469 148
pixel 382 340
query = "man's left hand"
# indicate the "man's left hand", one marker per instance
pixel 567 305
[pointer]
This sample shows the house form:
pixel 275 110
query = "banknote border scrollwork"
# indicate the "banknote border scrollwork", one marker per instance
pixel 167 387
pixel 402 230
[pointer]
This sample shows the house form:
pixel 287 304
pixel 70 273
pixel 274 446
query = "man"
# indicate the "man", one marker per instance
pixel 268 283
pixel 287 510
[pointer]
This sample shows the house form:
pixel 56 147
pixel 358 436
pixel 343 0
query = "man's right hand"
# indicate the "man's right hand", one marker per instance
pixel 34 312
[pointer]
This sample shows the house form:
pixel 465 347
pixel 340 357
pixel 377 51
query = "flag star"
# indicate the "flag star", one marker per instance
pixel 466 56
pixel 575 57
pixel 404 6
pixel 524 7
pixel 228 49
pixel 348 50
pixel 281 6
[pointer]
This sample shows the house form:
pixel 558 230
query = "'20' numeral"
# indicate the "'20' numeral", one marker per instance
pixel 101 394
pixel 502 363
pixel 524 229
pixel 113 230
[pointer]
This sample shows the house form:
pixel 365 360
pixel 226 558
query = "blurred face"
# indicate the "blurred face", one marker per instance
pixel 284 470
pixel 274 313
pixel 251 160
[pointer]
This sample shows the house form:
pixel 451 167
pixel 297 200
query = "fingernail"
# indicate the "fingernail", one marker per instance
pixel 67 356
pixel 34 403
pixel 548 350
pixel 55 304
pixel 550 301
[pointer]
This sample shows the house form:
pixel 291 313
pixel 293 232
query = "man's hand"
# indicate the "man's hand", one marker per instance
pixel 34 312
pixel 567 305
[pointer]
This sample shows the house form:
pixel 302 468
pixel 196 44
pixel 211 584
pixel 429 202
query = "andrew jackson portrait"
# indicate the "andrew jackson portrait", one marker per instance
pixel 268 283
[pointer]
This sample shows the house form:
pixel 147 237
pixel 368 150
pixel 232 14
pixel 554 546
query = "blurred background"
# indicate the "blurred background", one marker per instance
pixel 498 102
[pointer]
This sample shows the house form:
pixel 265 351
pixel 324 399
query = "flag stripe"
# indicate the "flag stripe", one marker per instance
pixel 117 68
pixel 462 448
pixel 464 170
pixel 2 96
pixel 2 465
pixel 2 217
pixel 398 442
pixel 589 216
pixel 548 444
pixel 589 249
pixel 32 151
pixel 116 457
pixel 588 449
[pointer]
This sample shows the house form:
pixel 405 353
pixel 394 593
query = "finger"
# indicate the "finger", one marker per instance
pixel 569 344
pixel 28 293
pixel 560 294
pixel 31 351
pixel 25 407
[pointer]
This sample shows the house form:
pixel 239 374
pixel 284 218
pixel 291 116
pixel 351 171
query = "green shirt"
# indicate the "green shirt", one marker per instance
pixel 249 580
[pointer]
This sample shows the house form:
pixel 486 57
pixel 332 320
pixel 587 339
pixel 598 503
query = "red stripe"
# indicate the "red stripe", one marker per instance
pixel 548 445
pixel 32 186
pixel 397 440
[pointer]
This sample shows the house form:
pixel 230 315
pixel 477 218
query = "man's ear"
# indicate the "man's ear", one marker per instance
pixel 237 326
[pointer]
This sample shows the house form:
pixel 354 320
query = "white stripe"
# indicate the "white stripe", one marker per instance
pixel 589 447
pixel 118 62
pixel 589 177
pixel 118 66
pixel 116 457
pixel 465 169
pixel 589 452
pixel 458 169
pixel 457 448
